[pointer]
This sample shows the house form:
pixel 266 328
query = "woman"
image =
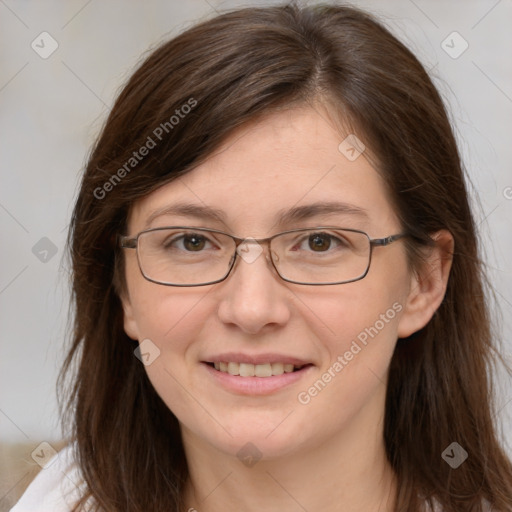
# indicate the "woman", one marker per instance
pixel 277 287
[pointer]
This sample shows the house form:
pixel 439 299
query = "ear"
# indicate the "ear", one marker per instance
pixel 130 323
pixel 428 285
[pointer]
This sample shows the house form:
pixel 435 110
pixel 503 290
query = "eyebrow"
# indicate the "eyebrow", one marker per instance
pixel 283 217
pixel 300 213
pixel 198 211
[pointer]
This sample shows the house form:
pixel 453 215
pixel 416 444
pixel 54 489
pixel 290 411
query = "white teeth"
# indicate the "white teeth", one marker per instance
pixel 263 370
pixel 254 370
pixel 246 370
pixel 233 368
pixel 277 368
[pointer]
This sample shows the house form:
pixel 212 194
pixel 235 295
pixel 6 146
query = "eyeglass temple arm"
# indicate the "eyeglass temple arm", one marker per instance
pixel 387 240
pixel 126 242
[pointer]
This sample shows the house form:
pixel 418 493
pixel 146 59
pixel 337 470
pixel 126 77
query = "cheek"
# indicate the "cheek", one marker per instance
pixel 175 322
pixel 161 312
pixel 172 319
pixel 356 325
pixel 359 311
pixel 358 352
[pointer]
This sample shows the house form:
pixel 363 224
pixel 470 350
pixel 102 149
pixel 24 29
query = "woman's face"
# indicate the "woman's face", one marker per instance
pixel 343 334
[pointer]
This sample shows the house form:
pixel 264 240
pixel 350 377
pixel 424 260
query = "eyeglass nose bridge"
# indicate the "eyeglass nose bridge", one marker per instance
pixel 250 249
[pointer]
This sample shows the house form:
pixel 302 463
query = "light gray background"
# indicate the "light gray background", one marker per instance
pixel 52 109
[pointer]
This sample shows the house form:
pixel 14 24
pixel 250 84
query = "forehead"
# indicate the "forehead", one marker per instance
pixel 286 160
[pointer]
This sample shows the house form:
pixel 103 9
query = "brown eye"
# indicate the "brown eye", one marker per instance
pixel 194 242
pixel 187 242
pixel 319 242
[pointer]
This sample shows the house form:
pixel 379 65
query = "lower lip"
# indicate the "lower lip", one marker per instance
pixel 256 385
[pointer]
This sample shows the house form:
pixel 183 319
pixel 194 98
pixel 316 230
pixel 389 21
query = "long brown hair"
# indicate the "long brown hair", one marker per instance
pixel 229 70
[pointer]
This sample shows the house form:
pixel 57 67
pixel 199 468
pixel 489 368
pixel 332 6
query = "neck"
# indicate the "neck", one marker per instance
pixel 348 471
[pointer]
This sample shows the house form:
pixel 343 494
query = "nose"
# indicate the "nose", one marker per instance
pixel 253 297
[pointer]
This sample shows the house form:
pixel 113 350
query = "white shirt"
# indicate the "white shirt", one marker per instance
pixel 55 488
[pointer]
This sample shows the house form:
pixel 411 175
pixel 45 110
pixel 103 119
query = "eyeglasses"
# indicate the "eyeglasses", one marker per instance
pixel 188 256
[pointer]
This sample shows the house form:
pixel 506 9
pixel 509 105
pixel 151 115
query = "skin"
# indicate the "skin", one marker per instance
pixel 330 451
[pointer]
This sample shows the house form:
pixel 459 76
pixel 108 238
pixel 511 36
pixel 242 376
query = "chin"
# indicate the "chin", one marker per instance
pixel 264 439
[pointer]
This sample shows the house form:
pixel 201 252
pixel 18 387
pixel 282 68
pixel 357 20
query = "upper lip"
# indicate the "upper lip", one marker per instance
pixel 238 357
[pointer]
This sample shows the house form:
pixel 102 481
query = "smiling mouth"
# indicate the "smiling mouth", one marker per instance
pixel 256 370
